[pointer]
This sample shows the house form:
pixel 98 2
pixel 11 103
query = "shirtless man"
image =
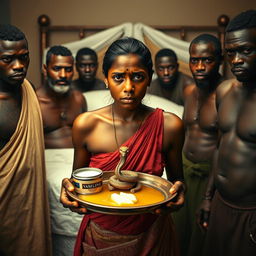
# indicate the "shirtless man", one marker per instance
pixel 60 104
pixel 231 192
pixel 24 210
pixel 201 135
pixel 170 82
pixel 86 66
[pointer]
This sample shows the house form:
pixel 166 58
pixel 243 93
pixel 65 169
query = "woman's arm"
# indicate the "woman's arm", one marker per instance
pixel 81 159
pixel 172 148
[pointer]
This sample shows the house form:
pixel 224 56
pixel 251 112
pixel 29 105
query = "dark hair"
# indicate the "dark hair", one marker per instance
pixel 11 33
pixel 57 50
pixel 166 52
pixel 246 19
pixel 125 46
pixel 208 38
pixel 86 51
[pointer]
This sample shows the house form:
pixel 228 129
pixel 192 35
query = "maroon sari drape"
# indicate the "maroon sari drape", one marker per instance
pixel 145 155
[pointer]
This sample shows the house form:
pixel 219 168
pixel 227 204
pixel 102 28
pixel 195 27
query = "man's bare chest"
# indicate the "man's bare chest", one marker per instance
pixel 238 113
pixel 9 118
pixel 202 112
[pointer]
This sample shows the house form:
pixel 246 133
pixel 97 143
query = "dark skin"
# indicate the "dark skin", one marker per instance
pixel 167 70
pixel 127 80
pixel 86 67
pixel 200 114
pixel 14 62
pixel 59 108
pixel 234 174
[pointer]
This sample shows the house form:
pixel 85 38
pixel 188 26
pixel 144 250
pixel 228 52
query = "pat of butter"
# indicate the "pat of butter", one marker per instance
pixel 123 198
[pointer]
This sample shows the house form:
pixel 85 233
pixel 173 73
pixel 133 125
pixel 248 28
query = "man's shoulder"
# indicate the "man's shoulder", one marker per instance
pixel 154 86
pixel 99 84
pixel 226 85
pixel 185 79
pixel 74 82
pixel 77 96
pixel 155 82
pixel 75 92
pixel 189 89
pixel 40 92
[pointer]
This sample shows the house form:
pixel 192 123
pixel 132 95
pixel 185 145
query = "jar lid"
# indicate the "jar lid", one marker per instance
pixel 87 173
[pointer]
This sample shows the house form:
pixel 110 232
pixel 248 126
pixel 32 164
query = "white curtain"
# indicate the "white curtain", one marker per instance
pixel 139 31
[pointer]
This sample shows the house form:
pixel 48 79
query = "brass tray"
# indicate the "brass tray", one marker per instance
pixel 149 180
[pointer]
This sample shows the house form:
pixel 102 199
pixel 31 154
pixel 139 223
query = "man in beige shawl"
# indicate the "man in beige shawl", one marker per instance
pixel 24 210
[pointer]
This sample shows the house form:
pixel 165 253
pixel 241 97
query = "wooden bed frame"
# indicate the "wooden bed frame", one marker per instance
pixel 46 30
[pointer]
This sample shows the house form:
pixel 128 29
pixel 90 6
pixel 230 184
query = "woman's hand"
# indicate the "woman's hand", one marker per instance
pixel 66 201
pixel 177 202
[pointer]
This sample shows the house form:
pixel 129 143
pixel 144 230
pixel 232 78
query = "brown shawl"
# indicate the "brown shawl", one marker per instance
pixel 24 210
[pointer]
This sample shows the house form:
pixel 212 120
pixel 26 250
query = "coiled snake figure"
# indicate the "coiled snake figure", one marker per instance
pixel 124 179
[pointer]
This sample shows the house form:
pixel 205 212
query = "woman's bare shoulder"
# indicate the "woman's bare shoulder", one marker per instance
pixel 90 119
pixel 172 122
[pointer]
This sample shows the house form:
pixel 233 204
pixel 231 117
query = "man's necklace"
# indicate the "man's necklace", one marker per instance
pixel 64 113
pixel 114 126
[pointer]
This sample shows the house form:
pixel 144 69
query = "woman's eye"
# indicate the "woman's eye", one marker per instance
pixel 117 77
pixel 137 77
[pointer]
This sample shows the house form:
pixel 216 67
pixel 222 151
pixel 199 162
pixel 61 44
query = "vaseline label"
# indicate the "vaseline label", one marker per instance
pixel 94 185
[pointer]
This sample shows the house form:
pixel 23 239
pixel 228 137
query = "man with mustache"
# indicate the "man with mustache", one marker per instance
pixel 24 209
pixel 60 105
pixel 229 209
pixel 170 82
pixel 201 135
pixel 87 66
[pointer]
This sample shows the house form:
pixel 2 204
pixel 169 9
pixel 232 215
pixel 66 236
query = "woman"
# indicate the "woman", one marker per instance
pixel 154 138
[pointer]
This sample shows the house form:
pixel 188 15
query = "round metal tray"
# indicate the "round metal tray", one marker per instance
pixel 152 181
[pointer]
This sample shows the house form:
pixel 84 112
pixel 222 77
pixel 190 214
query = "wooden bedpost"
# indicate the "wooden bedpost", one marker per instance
pixel 223 21
pixel 44 23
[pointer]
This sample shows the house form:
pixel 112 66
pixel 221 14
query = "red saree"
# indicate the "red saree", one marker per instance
pixel 145 155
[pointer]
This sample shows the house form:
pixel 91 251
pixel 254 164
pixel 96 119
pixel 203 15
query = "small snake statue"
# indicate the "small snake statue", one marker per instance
pixel 124 179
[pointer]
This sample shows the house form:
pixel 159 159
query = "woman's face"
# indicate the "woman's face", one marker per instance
pixel 128 80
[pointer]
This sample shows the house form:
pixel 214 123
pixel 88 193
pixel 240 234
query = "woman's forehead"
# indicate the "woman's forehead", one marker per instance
pixel 126 61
